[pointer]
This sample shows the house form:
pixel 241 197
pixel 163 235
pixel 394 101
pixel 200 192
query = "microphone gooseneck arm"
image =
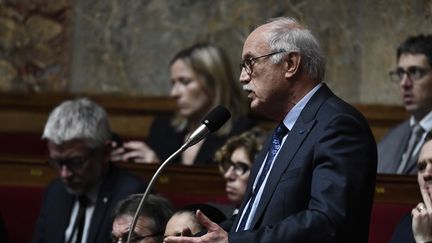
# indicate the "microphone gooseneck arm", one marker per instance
pixel 150 186
pixel 212 122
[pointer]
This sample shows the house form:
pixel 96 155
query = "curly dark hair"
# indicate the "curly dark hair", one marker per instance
pixel 250 140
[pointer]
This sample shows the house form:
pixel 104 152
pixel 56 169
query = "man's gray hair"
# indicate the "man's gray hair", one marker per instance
pixel 78 119
pixel 289 35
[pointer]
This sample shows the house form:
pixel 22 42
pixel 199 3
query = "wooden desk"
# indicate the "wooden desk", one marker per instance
pixel 193 180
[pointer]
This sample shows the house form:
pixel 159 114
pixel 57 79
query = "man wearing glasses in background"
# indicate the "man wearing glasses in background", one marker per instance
pixel 77 206
pixel 151 221
pixel 399 149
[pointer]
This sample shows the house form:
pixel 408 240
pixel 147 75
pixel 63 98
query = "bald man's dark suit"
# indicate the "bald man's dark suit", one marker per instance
pixel 57 206
pixel 321 186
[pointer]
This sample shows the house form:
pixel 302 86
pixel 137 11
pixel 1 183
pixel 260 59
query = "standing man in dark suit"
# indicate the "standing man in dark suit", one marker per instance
pixel 314 179
pixel 77 207
pixel 398 151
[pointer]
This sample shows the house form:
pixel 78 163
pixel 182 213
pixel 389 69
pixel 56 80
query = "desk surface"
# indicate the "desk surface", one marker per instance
pixel 195 180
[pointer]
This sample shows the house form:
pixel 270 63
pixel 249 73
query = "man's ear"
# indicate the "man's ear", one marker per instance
pixel 292 64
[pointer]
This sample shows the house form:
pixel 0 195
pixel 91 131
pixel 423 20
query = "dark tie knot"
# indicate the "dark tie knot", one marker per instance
pixel 281 131
pixel 417 130
pixel 83 200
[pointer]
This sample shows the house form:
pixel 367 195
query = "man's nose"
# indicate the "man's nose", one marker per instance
pixel 65 172
pixel 428 170
pixel 244 76
pixel 405 81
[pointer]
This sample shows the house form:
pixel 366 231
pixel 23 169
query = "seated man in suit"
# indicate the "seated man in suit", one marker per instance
pixel 398 150
pixel 77 206
pixel 417 226
pixel 314 179
pixel 151 221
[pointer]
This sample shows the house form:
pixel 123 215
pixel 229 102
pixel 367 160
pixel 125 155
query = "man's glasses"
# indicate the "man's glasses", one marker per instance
pixel 135 238
pixel 74 163
pixel 414 73
pixel 240 168
pixel 248 63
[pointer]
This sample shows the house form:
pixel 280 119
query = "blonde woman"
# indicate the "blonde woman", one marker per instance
pixel 201 79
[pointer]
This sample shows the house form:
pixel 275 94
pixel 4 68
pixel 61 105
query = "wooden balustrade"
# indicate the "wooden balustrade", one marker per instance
pixel 132 116
pixel 203 181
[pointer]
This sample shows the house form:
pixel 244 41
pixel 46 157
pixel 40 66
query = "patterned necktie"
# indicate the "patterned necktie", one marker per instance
pixel 277 136
pixel 414 139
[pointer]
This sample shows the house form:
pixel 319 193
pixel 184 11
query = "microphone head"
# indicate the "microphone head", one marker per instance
pixel 216 118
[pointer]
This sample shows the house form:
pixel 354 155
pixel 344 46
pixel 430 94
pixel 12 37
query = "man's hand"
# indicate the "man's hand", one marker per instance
pixel 215 234
pixel 422 218
pixel 135 151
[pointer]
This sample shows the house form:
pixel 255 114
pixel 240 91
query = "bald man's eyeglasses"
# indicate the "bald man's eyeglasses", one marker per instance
pixel 248 63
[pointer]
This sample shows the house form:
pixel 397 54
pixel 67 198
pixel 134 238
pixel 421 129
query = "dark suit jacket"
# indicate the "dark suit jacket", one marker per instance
pixel 403 232
pixel 165 140
pixel 321 186
pixel 57 206
pixel 391 148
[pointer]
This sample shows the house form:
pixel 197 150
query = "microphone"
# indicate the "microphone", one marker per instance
pixel 211 123
pixel 214 120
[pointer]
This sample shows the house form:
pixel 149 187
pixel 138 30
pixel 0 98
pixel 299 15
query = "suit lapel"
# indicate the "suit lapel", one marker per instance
pixel 401 147
pixel 102 206
pixel 283 160
pixel 259 160
pixel 296 136
pixel 411 166
pixel 62 217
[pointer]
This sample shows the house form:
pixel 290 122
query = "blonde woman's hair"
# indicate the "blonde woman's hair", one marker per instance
pixel 213 69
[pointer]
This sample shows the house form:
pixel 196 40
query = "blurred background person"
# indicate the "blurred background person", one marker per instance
pixel 77 205
pixel 201 79
pixel 417 225
pixel 151 221
pixel 235 160
pixel 184 223
pixel 399 149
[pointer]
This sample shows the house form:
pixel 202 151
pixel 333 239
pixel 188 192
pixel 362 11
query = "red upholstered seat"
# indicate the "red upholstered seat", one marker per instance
pixel 19 207
pixel 22 144
pixel 385 217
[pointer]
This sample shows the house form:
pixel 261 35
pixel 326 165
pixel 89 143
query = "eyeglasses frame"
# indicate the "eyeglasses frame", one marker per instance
pixel 234 165
pixel 135 237
pixel 395 75
pixel 252 60
pixel 59 163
